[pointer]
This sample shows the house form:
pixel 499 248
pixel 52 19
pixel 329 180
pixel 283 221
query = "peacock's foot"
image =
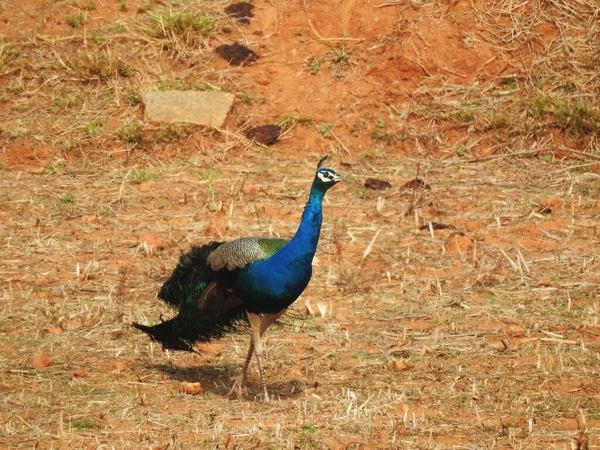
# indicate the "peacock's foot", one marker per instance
pixel 238 388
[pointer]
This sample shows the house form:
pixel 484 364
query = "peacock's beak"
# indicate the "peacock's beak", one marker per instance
pixel 337 178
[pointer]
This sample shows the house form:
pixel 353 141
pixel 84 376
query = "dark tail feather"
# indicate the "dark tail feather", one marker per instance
pixel 190 276
pixel 163 333
pixel 192 325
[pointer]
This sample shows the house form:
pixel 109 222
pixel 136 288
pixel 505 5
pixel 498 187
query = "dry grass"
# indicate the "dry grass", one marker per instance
pixel 462 315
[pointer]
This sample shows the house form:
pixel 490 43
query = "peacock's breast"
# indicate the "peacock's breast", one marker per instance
pixel 270 288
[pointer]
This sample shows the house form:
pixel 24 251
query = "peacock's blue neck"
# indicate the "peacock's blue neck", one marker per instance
pixel 281 278
pixel 307 235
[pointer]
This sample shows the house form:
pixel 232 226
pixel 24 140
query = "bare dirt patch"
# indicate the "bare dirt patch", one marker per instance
pixel 458 307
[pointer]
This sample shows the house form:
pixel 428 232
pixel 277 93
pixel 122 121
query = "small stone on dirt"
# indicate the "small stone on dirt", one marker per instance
pixel 546 206
pixel 295 373
pixel 145 187
pixel 236 54
pixel 240 11
pixel 377 185
pixel 459 244
pixel 116 366
pixel 498 344
pixel 209 108
pixel 79 373
pixel 264 134
pixel 42 361
pixel 90 219
pixel 52 330
pixel 191 388
pixel 436 226
pixel 416 183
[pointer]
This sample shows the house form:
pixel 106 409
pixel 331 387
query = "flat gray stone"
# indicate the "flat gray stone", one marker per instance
pixel 208 108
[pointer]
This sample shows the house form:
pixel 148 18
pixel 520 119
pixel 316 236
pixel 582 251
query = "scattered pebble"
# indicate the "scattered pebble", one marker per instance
pixel 240 11
pixel 236 54
pixel 377 185
pixel 116 366
pixel 416 183
pixel 264 134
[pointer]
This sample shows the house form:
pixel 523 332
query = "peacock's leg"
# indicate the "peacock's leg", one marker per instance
pixel 240 379
pixel 260 323
pixel 266 321
pixel 255 323
pixel 248 359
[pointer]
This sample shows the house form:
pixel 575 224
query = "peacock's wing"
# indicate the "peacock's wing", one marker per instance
pixel 241 252
pixel 191 276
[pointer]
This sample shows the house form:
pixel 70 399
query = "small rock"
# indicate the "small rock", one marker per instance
pixel 145 187
pixel 474 225
pixel 436 226
pixel 545 282
pixel 116 366
pixel 236 54
pixel 375 184
pixel 264 134
pixel 79 373
pixel 515 331
pixel 191 388
pixel 90 219
pixel 459 244
pixel 498 344
pixel 550 204
pixel 52 330
pixel 42 360
pixel 208 108
pixel 295 373
pixel 240 11
pixel 250 189
pixel 416 183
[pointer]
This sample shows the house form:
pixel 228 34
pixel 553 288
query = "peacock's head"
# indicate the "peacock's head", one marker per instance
pixel 325 177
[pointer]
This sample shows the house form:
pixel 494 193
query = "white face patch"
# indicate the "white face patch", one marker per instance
pixel 325 177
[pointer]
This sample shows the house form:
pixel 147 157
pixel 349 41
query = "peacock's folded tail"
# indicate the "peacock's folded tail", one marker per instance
pixel 195 325
pixel 207 309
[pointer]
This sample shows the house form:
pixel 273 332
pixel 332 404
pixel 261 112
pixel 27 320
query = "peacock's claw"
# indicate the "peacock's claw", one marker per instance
pixel 238 388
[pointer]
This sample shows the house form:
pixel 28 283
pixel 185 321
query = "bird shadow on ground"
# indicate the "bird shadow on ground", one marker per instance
pixel 218 379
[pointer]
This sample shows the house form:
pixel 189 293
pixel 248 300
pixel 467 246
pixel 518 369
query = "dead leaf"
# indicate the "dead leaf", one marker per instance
pixel 42 360
pixel 190 388
pixel 398 365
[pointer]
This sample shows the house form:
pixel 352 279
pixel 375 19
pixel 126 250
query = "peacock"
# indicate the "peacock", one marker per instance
pixel 220 287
